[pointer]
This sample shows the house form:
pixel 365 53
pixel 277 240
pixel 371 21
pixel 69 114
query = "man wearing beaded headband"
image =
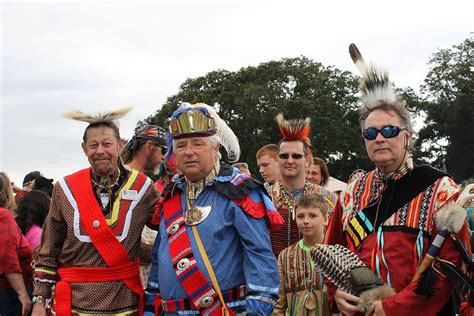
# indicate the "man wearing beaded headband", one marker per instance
pixel 387 216
pixel 92 232
pixel 294 155
pixel 213 254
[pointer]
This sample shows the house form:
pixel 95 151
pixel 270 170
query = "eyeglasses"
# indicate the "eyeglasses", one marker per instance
pixel 294 156
pixel 388 131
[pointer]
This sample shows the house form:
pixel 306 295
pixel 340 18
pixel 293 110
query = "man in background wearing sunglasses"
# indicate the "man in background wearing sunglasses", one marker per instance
pixel 294 156
pixel 144 152
pixel 386 216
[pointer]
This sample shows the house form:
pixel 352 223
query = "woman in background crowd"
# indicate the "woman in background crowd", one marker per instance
pixel 15 258
pixel 318 172
pixel 31 213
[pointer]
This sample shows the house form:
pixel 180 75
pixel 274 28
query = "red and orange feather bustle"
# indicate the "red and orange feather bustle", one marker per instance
pixel 296 129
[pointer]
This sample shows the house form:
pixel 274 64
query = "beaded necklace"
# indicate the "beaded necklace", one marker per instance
pixel 289 202
pixel 193 189
pixel 309 299
pixel 103 186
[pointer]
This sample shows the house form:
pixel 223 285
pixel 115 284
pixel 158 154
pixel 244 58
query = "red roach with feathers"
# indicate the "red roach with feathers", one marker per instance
pixel 296 129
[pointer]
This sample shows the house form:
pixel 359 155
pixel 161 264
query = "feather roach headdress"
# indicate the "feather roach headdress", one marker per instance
pixel 350 274
pixel 109 117
pixel 202 120
pixel 374 84
pixel 296 129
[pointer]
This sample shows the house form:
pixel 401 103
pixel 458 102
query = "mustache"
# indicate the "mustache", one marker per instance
pixel 100 156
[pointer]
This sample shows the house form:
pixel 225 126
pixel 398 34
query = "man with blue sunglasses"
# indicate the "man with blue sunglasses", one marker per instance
pixel 386 217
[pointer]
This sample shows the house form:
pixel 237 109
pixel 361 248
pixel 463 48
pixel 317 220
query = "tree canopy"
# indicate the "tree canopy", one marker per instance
pixel 447 138
pixel 250 98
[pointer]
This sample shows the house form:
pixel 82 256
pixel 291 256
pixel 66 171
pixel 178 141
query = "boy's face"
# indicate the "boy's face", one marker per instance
pixel 310 221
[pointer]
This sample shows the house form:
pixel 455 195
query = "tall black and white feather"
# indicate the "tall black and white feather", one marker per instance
pixel 374 84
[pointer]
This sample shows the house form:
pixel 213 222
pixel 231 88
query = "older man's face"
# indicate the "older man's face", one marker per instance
pixel 195 157
pixel 387 153
pixel 102 150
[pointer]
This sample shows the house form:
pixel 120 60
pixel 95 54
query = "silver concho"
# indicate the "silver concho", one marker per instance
pixel 183 264
pixel 197 214
pixel 206 301
pixel 173 228
pixel 96 223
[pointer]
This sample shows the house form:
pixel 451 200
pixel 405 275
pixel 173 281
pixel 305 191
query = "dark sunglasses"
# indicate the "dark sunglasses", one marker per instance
pixel 294 156
pixel 388 131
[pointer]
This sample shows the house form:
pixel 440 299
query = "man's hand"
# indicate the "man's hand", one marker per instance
pixel 16 189
pixel 376 309
pixel 466 196
pixel 25 304
pixel 346 303
pixel 39 309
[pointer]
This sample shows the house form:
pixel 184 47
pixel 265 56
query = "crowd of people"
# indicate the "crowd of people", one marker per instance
pixel 207 238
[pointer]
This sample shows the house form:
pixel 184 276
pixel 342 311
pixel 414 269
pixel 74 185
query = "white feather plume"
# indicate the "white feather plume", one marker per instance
pixel 228 138
pixel 110 116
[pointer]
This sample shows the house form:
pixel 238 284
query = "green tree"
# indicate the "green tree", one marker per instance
pixel 250 98
pixel 447 138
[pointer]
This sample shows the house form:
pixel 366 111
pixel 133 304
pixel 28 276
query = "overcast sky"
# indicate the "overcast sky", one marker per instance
pixel 101 56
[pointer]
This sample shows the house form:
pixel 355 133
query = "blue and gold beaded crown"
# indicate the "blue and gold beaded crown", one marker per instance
pixel 192 120
pixel 202 120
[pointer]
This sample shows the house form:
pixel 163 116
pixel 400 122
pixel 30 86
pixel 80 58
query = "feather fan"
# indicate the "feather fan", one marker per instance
pixel 426 282
pixel 462 281
pixel 464 254
pixel 350 274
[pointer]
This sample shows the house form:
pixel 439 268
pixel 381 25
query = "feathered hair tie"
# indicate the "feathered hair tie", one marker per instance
pixel 296 129
pixel 101 117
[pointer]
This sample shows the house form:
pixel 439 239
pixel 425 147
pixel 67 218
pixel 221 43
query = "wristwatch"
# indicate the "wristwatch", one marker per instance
pixel 37 299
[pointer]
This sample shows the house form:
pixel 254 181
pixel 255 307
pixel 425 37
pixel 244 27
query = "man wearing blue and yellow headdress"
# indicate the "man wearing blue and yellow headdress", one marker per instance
pixel 213 253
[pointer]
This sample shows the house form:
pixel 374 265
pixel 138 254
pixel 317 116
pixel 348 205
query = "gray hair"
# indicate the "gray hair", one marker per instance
pixel 215 140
